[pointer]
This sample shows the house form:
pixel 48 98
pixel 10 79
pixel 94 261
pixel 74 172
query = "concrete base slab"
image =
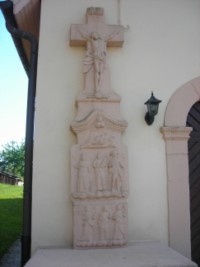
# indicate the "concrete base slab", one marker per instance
pixel 136 254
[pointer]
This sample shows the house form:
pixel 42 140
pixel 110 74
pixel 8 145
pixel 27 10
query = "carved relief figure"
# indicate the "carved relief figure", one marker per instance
pixel 88 223
pixel 103 222
pixel 99 121
pixel 83 181
pixel 115 170
pixel 95 56
pixel 118 218
pixel 100 140
pixel 99 170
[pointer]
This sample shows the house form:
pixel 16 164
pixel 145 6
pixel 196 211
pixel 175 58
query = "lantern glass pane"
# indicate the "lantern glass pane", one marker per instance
pixel 154 109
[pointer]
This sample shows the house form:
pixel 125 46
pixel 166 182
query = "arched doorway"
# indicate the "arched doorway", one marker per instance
pixel 176 134
pixel 193 120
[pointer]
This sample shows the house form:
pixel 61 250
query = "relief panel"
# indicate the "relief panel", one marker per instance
pixel 100 224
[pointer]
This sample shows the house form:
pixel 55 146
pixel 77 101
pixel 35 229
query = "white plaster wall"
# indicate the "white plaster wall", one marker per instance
pixel 160 53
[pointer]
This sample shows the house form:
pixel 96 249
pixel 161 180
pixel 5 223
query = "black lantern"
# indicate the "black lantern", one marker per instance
pixel 152 107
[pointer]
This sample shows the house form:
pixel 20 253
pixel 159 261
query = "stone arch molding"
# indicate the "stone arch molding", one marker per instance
pixel 181 102
pixel 176 135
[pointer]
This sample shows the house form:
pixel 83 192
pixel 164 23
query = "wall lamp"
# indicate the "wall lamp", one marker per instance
pixel 152 107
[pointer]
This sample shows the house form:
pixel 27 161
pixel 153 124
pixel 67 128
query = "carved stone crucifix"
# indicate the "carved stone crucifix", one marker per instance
pixel 96 36
pixel 99 160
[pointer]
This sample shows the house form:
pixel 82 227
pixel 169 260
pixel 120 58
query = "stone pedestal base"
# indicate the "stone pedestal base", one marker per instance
pixel 136 254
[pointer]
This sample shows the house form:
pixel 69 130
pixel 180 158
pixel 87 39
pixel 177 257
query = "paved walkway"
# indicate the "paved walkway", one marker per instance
pixel 13 257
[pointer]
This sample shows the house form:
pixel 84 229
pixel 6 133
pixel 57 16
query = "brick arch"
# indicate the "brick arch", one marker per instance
pixel 176 135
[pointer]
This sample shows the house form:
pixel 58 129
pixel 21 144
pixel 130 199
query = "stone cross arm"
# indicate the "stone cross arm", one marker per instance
pixel 112 35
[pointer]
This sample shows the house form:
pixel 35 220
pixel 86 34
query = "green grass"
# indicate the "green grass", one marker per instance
pixel 10 215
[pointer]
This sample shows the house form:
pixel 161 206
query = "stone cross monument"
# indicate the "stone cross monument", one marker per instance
pixel 99 162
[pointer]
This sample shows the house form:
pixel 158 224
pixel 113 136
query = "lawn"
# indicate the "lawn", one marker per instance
pixel 10 215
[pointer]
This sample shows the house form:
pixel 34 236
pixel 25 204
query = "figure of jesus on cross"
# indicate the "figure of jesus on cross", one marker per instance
pixel 96 36
pixel 96 56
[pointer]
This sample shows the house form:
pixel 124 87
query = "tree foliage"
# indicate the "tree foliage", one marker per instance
pixel 12 158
